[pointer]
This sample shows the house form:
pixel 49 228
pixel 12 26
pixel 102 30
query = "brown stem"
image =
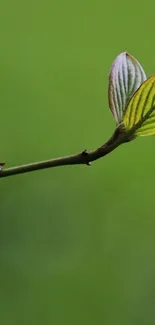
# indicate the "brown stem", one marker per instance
pixel 84 157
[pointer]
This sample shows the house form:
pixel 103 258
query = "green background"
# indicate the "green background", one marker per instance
pixel 77 244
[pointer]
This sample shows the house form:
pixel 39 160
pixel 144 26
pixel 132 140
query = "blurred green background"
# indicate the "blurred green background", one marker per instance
pixel 77 244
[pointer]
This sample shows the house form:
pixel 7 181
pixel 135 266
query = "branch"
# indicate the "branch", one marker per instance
pixel 84 157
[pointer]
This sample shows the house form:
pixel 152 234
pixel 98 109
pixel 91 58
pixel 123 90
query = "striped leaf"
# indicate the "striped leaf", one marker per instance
pixel 125 77
pixel 139 117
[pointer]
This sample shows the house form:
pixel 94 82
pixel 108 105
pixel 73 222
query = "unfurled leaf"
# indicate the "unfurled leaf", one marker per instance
pixel 139 117
pixel 126 76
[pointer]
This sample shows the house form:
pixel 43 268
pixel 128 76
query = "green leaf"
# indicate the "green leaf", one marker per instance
pixel 139 117
pixel 125 77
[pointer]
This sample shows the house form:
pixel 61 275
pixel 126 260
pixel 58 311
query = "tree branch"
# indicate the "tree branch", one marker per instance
pixel 84 157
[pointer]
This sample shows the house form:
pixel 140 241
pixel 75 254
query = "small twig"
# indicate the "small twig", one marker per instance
pixel 84 157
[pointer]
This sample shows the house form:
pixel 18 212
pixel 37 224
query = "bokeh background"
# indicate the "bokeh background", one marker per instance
pixel 77 244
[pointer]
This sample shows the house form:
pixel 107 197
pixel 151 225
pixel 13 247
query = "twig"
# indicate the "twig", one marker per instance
pixel 84 157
